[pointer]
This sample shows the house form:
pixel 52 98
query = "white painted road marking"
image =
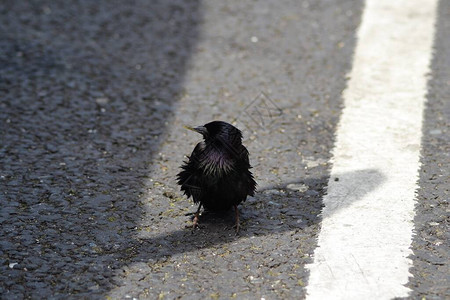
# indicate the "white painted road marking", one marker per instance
pixel 367 225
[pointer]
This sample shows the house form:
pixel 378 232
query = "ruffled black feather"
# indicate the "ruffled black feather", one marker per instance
pixel 217 173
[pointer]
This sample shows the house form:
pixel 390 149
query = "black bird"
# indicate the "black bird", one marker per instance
pixel 217 174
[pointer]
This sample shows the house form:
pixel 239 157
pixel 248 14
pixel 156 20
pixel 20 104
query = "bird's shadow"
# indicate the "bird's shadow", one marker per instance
pixel 294 206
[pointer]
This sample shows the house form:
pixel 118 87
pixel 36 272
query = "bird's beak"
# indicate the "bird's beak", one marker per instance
pixel 200 129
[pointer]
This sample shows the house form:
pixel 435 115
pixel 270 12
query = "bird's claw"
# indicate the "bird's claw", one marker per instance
pixel 193 227
pixel 237 227
pixel 194 223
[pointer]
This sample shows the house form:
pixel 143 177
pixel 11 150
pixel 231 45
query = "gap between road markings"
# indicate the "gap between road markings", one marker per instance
pixel 367 225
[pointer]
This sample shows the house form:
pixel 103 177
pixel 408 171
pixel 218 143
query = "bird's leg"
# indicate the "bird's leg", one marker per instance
pixel 236 212
pixel 195 221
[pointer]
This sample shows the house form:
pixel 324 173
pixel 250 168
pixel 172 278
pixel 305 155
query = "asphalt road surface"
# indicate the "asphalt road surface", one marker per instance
pixel 93 97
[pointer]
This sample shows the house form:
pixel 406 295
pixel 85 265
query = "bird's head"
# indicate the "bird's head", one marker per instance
pixel 219 130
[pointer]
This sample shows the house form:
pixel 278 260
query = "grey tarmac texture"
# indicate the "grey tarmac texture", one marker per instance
pixel 431 244
pixel 87 89
pixel 93 99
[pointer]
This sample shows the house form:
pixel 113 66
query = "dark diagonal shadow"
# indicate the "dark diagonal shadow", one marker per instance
pixel 87 89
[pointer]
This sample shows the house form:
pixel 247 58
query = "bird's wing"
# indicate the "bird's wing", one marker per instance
pixel 190 177
pixel 249 181
pixel 243 156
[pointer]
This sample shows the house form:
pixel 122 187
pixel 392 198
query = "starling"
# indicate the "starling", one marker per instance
pixel 217 174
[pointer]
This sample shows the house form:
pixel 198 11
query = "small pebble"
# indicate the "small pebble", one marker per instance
pixel 297 187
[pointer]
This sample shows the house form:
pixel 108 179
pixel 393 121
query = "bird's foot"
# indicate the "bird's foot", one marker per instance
pixel 237 227
pixel 194 227
pixel 194 223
